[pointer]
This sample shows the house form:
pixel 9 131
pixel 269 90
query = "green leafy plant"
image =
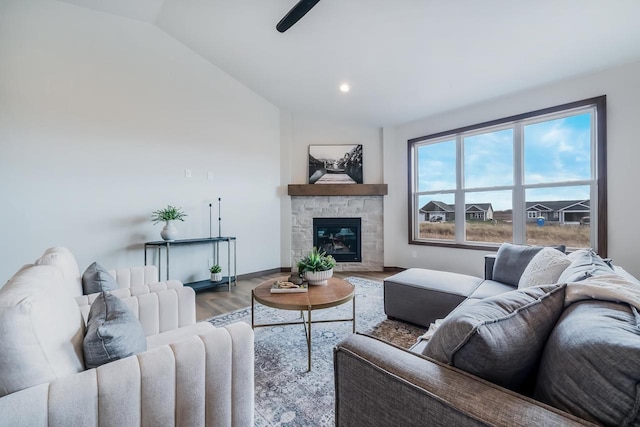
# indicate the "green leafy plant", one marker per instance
pixel 215 269
pixel 170 213
pixel 316 260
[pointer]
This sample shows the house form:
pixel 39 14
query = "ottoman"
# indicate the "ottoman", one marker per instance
pixel 421 296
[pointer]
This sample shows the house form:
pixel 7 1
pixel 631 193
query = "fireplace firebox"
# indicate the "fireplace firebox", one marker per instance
pixel 339 237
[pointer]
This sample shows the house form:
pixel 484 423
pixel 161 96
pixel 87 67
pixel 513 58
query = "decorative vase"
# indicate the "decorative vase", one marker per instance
pixel 216 277
pixel 318 277
pixel 169 232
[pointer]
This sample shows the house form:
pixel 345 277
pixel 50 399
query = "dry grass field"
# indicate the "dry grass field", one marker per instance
pixel 549 234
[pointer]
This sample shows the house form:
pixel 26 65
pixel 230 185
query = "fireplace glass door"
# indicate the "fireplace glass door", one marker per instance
pixel 339 237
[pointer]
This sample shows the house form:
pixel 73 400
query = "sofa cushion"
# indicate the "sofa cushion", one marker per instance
pixel 584 263
pixel 96 279
pixel 590 366
pixel 511 261
pixel 41 330
pixel 113 332
pixel 421 296
pixel 500 338
pixel 490 288
pixel 63 259
pixel 544 268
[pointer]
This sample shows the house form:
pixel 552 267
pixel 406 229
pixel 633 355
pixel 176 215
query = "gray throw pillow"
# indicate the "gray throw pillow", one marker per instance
pixel 113 332
pixel 500 338
pixel 511 260
pixel 96 279
pixel 584 263
pixel 590 366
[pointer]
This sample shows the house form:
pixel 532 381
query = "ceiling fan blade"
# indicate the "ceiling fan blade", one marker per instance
pixel 298 11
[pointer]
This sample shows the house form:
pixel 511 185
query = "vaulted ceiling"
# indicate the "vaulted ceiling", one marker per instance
pixel 404 59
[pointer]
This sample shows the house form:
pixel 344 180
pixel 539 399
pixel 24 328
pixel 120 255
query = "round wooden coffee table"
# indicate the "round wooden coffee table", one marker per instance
pixel 334 293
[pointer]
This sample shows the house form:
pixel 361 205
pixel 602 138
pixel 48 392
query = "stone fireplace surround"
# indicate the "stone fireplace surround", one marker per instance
pixel 369 208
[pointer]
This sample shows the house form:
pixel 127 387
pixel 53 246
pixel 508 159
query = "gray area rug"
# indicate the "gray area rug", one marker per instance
pixel 288 395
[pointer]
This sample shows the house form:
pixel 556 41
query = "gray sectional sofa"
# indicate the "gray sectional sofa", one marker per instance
pixel 562 353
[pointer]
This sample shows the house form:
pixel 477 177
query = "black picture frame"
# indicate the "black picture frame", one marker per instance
pixel 335 164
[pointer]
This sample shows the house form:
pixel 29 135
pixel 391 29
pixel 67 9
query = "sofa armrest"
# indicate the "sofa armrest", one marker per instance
pixel 377 383
pixel 202 380
pixel 159 311
pixel 489 261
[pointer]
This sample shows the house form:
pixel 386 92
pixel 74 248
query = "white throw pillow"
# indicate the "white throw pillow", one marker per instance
pixel 544 268
pixel 41 330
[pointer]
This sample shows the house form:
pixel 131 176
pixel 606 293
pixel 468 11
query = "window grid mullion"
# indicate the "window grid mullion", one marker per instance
pixel 595 209
pixel 518 208
pixel 416 197
pixel 460 233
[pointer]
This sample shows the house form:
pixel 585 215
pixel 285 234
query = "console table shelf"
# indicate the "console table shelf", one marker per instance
pixel 208 284
pixel 215 245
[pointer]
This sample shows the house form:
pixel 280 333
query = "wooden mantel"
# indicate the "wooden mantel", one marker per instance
pixel 337 189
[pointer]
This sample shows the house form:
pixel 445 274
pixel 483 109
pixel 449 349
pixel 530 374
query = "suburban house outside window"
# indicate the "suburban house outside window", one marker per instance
pixel 537 178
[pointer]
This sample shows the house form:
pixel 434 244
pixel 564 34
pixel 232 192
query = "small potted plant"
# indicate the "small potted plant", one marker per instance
pixel 316 267
pixel 216 273
pixel 168 215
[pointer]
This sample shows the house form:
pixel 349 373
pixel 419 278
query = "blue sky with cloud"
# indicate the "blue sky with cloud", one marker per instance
pixel 555 151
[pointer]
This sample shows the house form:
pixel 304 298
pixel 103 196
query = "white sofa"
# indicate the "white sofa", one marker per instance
pixel 191 374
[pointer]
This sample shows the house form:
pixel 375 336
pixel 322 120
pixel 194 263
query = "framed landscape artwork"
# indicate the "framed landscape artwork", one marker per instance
pixel 335 164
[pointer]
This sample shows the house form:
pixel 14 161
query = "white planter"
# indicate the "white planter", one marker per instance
pixel 216 277
pixel 169 232
pixel 318 277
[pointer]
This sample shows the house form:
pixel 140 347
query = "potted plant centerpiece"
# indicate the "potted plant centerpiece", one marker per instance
pixel 216 273
pixel 168 215
pixel 316 267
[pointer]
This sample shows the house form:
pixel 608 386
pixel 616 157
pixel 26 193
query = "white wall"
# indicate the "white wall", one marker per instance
pixel 307 131
pixel 622 87
pixel 99 118
pixel 299 131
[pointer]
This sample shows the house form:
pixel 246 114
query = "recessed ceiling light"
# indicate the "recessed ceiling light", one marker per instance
pixel 344 87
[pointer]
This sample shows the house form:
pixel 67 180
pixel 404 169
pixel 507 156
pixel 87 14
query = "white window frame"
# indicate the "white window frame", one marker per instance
pixel 597 181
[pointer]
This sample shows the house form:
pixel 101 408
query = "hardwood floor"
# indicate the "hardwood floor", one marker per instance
pixel 213 302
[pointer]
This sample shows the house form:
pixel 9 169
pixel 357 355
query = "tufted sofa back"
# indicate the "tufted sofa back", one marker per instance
pixel 65 261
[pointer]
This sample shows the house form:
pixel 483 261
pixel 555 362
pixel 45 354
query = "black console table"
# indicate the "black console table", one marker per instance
pixel 215 243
